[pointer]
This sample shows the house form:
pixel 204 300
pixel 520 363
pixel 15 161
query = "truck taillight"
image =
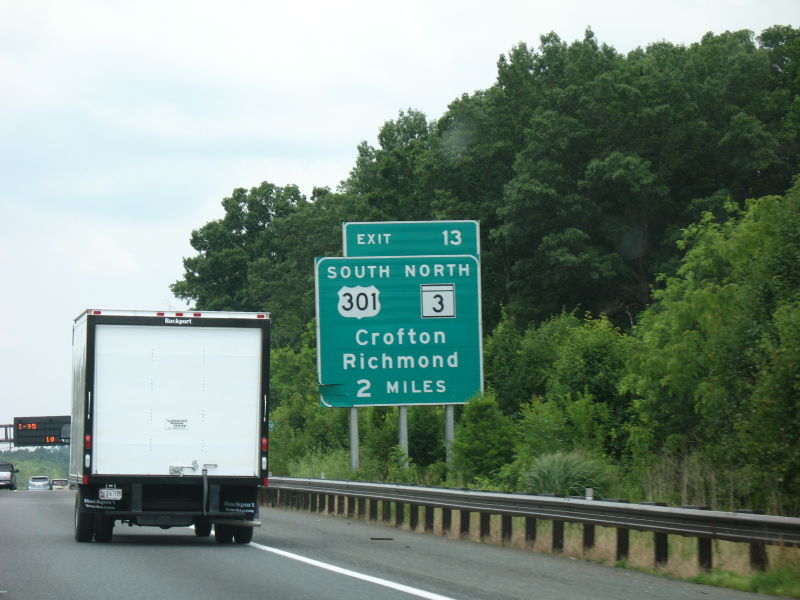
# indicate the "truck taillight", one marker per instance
pixel 87 442
pixel 264 444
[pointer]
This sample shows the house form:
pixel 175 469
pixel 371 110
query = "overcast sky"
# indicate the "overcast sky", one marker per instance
pixel 124 124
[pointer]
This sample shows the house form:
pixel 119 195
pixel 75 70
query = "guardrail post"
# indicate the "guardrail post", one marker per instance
pixel 660 540
pixel 505 528
pixel 758 556
pixel 530 529
pixel 400 513
pixel 386 511
pixel 704 555
pixel 447 520
pixel 351 507
pixel 558 536
pixel 340 505
pixel 429 514
pixel 486 524
pixel 413 516
pixel 662 548
pixel 361 507
pixel 588 536
pixel 623 543
pixel 463 526
pixel 373 509
pixel 758 549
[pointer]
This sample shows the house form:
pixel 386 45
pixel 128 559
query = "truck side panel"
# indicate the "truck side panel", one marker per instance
pixel 78 400
pixel 167 397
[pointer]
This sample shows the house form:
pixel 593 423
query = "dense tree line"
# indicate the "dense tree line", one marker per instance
pixel 639 233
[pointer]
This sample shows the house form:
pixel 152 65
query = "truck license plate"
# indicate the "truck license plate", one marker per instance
pixel 110 494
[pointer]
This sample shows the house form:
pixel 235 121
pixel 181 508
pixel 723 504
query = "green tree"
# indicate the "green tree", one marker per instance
pixel 711 349
pixel 217 278
pixel 386 178
pixel 503 367
pixel 484 440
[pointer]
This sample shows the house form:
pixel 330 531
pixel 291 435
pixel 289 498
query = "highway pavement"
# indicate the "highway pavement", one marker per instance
pixel 293 556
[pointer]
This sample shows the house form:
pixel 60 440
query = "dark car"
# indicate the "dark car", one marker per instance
pixel 8 476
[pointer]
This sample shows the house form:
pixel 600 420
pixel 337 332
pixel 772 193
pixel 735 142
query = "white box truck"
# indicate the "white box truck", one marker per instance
pixel 169 421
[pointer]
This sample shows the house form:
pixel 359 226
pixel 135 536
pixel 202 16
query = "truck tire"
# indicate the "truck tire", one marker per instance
pixel 243 535
pixel 84 521
pixel 223 534
pixel 103 528
pixel 202 527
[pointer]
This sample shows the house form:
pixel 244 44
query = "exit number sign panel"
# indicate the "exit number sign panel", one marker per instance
pixel 411 238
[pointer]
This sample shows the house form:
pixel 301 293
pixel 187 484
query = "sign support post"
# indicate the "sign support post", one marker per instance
pixel 403 427
pixel 449 432
pixel 354 464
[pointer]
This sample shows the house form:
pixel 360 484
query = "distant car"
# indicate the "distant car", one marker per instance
pixel 59 484
pixel 8 476
pixel 39 482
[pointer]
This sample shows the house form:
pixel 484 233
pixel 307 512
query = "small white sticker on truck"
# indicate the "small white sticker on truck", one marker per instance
pixel 176 425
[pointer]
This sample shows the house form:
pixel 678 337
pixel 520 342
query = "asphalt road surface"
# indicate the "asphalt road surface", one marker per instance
pixel 294 555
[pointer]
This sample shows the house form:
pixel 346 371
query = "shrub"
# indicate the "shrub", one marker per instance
pixel 568 474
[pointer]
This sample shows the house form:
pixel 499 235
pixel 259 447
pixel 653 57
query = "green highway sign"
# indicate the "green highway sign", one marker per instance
pixel 398 330
pixel 411 238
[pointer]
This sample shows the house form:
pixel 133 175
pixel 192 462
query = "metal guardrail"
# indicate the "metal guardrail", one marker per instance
pixel 706 525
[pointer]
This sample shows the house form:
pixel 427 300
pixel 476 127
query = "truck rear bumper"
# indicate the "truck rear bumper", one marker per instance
pixel 171 504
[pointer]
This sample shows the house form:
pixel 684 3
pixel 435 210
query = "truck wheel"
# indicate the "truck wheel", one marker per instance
pixel 103 528
pixel 223 534
pixel 202 527
pixel 243 535
pixel 84 521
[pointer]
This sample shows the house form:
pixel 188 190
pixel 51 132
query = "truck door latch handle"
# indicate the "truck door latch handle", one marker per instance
pixel 178 469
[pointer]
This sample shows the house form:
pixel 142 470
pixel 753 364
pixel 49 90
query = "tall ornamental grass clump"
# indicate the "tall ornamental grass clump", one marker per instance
pixel 568 474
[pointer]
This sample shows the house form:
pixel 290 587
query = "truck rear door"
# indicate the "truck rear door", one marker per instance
pixel 168 396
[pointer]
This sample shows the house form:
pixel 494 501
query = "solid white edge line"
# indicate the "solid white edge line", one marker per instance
pixel 369 578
